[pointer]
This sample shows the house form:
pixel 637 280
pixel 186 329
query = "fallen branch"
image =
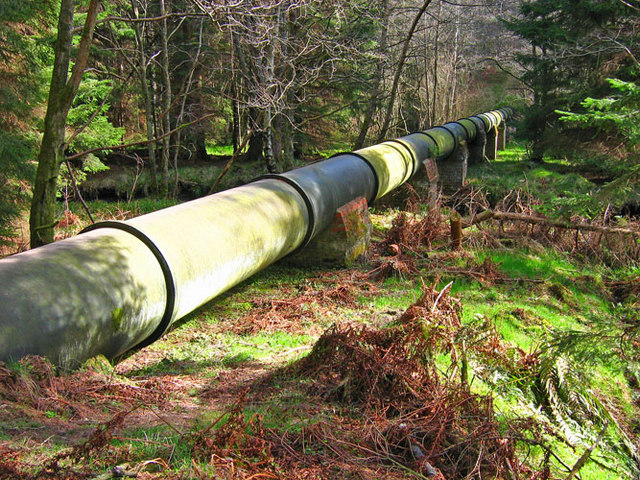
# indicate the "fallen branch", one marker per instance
pixel 230 162
pixel 519 217
pixel 585 456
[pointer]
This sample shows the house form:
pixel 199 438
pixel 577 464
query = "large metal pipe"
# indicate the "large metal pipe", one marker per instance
pixel 119 285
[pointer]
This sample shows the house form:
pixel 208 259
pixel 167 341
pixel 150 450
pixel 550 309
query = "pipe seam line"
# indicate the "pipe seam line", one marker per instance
pixel 435 142
pixel 469 136
pixel 478 123
pixel 307 201
pixel 370 201
pixel 456 142
pixel 392 144
pixel 486 127
pixel 167 315
pixel 430 153
pixel 413 157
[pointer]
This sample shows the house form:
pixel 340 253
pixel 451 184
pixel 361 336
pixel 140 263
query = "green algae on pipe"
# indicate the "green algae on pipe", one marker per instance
pixel 421 145
pixel 105 291
pixel 393 164
pixel 488 121
pixel 471 128
pixel 215 242
pixel 98 293
pixel 444 140
pixel 458 131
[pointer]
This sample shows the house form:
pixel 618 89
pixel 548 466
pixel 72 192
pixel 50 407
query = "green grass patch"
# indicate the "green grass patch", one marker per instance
pixel 399 294
pixel 152 442
pixel 219 150
pixel 561 192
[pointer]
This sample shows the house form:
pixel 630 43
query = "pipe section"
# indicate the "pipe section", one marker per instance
pixel 470 128
pixel 444 142
pixel 392 162
pixel 326 186
pixel 119 285
pixel 101 292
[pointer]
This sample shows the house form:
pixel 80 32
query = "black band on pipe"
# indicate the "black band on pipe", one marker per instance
pixel 495 116
pixel 479 125
pixel 414 161
pixel 426 135
pixel 435 142
pixel 486 129
pixel 465 129
pixel 456 143
pixel 376 185
pixel 165 321
pixel 305 198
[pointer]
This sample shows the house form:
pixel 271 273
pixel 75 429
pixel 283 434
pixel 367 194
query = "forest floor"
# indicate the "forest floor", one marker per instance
pixel 513 357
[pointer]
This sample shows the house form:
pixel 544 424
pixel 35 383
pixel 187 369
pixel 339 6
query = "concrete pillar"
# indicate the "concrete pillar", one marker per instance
pixel 343 242
pixel 491 149
pixel 453 169
pixel 502 136
pixel 477 147
pixel 430 168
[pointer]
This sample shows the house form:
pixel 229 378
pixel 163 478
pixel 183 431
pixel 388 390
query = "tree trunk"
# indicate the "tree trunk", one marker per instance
pixel 268 144
pixel 436 54
pixel 453 83
pixel 61 94
pixel 166 102
pixel 146 95
pixel 256 142
pixel 396 77
pixel 236 128
pixel 377 79
pixel 426 121
pixel 186 92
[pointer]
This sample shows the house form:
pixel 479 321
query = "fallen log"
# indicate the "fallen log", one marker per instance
pixel 520 217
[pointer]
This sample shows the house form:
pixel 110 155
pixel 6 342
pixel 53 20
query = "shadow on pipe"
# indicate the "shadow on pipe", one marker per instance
pixel 120 285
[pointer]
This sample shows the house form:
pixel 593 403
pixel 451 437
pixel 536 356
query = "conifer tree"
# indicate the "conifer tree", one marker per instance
pixel 22 26
pixel 571 41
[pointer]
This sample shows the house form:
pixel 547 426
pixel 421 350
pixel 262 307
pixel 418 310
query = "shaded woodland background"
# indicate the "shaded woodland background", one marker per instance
pixel 513 357
pixel 285 80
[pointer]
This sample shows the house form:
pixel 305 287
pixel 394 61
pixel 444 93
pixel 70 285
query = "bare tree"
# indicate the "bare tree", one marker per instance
pixel 286 55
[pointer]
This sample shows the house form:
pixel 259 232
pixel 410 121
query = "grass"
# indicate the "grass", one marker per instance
pixel 543 292
pixel 562 191
pixel 398 294
pixel 549 292
pixel 153 442
pixel 219 150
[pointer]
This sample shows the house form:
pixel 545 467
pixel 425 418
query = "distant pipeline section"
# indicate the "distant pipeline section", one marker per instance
pixel 121 285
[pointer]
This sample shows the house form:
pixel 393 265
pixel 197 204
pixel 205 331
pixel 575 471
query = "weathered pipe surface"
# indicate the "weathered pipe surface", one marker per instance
pixel 120 285
pixel 392 162
pixel 328 185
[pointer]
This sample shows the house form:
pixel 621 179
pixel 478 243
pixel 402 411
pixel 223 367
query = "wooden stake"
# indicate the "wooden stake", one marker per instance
pixel 456 230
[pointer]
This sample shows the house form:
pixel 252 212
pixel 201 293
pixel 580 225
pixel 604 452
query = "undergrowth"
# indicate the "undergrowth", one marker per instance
pixel 513 357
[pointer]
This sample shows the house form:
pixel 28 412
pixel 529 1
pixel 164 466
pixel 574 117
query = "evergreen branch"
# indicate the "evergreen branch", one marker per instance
pixel 142 142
